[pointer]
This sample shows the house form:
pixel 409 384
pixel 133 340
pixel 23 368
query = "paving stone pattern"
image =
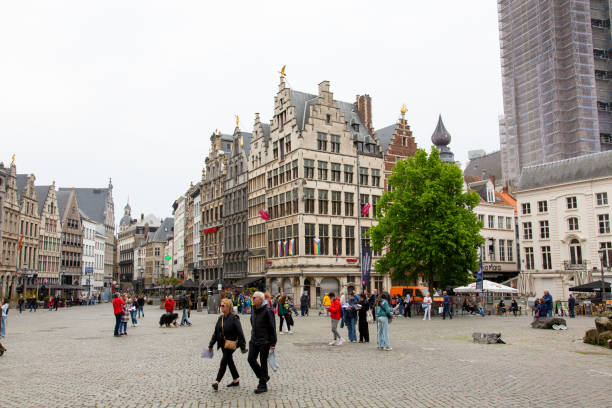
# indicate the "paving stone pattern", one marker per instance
pixel 69 358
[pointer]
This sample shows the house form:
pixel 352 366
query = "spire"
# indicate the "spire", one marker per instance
pixel 441 139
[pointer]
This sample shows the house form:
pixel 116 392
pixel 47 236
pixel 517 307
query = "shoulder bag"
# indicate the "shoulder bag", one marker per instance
pixel 228 344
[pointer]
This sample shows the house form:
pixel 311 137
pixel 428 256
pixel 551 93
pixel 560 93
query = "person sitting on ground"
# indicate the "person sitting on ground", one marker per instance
pixel 479 308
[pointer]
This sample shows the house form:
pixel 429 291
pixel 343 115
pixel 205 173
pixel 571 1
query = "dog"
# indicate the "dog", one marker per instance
pixel 2 349
pixel 168 319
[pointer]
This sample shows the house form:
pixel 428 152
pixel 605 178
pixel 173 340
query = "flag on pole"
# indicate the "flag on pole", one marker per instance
pixel 285 248
pixel 365 210
pixel 278 248
pixel 317 246
pixel 264 215
pixel 20 243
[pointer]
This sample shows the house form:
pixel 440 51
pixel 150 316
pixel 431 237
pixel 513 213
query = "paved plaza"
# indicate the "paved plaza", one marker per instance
pixel 69 358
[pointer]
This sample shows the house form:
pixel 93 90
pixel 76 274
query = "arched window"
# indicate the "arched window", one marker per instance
pixel 575 252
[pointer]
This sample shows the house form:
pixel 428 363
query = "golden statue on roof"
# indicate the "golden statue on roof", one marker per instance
pixel 404 110
pixel 282 71
pixel 13 160
pixel 237 120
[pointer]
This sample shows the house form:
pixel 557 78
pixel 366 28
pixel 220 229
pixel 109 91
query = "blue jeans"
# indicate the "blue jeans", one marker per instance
pixel 3 327
pixel 481 311
pixel 549 313
pixel 133 315
pixel 185 319
pixel 123 327
pixel 383 331
pixel 140 311
pixel 117 323
pixel 352 333
pixel 445 311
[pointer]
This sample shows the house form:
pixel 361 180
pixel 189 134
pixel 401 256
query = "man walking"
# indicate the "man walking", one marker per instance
pixel 263 339
pixel 20 303
pixel 372 302
pixel 548 303
pixel 304 303
pixel 446 306
pixel 118 304
pixel 140 302
pixel 571 303
pixel 186 307
pixel 4 306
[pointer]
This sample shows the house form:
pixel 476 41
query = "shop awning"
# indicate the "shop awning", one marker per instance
pixel 243 283
pixel 591 287
pixel 187 284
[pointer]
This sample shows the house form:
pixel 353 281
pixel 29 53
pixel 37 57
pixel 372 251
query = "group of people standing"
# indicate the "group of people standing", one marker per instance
pixel 353 309
pixel 126 308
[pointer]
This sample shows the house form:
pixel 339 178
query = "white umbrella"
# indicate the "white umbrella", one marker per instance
pixel 487 286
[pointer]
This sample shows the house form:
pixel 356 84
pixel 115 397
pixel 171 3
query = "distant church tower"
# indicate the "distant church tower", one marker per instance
pixel 441 139
pixel 126 219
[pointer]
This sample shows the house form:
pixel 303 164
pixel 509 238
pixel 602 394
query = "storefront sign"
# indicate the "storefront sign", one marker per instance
pixel 210 230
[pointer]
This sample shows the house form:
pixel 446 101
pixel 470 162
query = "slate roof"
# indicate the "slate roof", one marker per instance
pixel 385 135
pixel 92 201
pixel 590 166
pixel 165 231
pixel 301 100
pixel 266 131
pixel 491 163
pixel 247 141
pixel 62 201
pixel 22 182
pixel 480 187
pixel 41 194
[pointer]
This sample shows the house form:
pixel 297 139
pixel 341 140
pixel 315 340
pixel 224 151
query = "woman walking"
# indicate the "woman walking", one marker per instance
pixel 125 317
pixel 133 308
pixel 382 318
pixel 228 335
pixel 427 307
pixel 283 315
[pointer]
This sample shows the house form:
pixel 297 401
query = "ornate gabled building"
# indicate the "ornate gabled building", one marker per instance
pixel 155 248
pixel 235 213
pixel 258 159
pixel 72 238
pixel 10 233
pixel 3 179
pixel 98 204
pixel 178 266
pixel 323 181
pixel 126 241
pixel 29 218
pixel 212 205
pixel 396 141
pixel 49 235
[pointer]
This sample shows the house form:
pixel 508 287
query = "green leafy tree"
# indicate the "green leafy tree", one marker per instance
pixel 426 223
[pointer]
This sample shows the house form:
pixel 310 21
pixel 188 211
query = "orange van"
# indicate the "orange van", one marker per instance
pixel 417 293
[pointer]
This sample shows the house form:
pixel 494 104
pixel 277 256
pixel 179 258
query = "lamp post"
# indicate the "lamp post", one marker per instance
pixel 603 283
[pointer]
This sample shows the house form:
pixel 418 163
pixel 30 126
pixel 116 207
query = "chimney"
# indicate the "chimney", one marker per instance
pixel 324 93
pixel 141 216
pixel 364 104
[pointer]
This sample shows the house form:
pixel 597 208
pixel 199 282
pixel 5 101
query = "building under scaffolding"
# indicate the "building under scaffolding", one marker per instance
pixel 556 59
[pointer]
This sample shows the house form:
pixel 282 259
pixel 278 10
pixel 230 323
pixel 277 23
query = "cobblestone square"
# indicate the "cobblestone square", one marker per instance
pixel 69 358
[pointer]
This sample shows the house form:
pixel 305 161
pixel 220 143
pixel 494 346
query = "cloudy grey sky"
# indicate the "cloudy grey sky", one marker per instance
pixel 133 89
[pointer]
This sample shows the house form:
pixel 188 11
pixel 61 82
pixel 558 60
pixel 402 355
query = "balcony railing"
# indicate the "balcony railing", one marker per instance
pixel 573 266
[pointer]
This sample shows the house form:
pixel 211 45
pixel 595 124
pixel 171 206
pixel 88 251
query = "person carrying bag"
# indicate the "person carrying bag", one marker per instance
pixel 229 336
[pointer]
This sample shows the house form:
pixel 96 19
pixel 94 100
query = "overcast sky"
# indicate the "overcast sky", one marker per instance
pixel 133 89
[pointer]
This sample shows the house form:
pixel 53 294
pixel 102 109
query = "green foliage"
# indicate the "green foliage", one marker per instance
pixel 427 224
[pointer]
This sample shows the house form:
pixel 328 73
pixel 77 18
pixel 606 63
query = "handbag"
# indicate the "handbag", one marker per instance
pixel 228 344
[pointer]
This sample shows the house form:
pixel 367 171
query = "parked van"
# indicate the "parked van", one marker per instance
pixel 417 293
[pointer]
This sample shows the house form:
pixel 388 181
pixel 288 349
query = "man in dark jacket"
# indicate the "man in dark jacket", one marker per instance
pixel 304 303
pixel 571 303
pixel 446 307
pixel 548 303
pixel 263 339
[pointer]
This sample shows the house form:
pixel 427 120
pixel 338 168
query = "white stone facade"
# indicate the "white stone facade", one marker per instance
pixel 98 275
pixel 178 255
pixel 562 228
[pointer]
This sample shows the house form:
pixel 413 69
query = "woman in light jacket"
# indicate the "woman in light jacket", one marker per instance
pixel 228 327
pixel 427 302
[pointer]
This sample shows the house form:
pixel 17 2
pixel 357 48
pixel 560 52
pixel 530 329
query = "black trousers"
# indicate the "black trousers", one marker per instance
pixel 364 332
pixel 407 311
pixel 260 369
pixel 286 318
pixel 227 361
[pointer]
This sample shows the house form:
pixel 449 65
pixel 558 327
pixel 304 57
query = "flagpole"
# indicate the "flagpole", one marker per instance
pixel 358 198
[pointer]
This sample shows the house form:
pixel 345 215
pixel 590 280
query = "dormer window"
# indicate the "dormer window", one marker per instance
pixel 328 119
pixel 355 127
pixel 490 196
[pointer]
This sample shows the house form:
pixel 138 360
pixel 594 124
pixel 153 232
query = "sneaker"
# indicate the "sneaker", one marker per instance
pixel 290 331
pixel 341 341
pixel 556 327
pixel 563 327
pixel 281 333
pixel 387 349
pixel 333 343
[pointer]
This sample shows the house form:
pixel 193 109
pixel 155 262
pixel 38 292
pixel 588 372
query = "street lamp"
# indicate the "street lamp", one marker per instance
pixel 603 283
